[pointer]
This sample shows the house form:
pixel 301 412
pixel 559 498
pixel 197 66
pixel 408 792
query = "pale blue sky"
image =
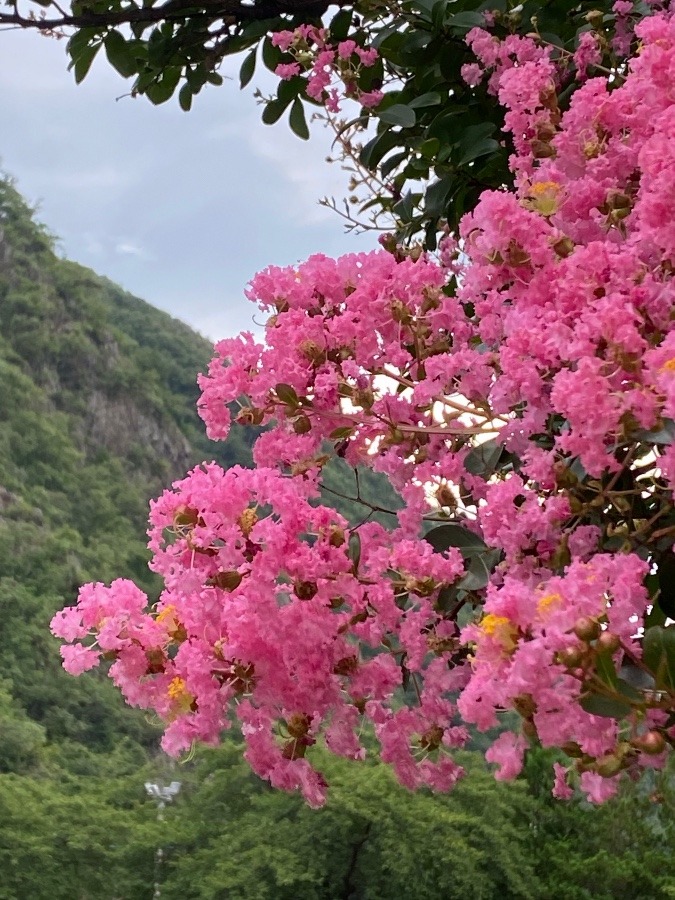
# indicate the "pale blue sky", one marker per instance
pixel 180 208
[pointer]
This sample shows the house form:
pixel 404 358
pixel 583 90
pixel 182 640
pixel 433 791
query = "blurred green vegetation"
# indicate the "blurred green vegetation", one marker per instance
pixel 97 415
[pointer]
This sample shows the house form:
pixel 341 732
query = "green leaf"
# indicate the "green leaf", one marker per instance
pixel 160 91
pixel 655 616
pixel 377 148
pixel 607 707
pixel 480 148
pixel 605 669
pixel 81 41
pixel 392 162
pixel 658 654
pixel 287 394
pixel 119 54
pixel 271 55
pixel 436 197
pixel 432 98
pixel 476 141
pixel 451 535
pixel 341 434
pixel 477 576
pixel 185 98
pixel 398 114
pixel 247 69
pixel 447 598
pixel 297 120
pixel 666 576
pixel 629 691
pixel 289 89
pixel 273 111
pixel 483 459
pixel 465 21
pixel 83 62
pixel 340 25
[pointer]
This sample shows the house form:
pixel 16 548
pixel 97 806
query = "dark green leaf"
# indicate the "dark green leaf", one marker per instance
pixel 287 394
pixel 436 197
pixel 247 69
pixel 475 142
pixel 447 598
pixel 273 111
pixel 297 120
pixel 483 459
pixel 160 91
pixel 340 25
pixel 119 54
pixel 606 670
pixel 271 55
pixel 83 62
pixel 656 616
pixel 432 98
pixel 81 41
pixel 398 114
pixel 452 535
pixel 629 691
pixel 392 162
pixel 667 583
pixel 185 98
pixel 477 575
pixel 465 21
pixel 607 707
pixel 658 653
pixel 375 150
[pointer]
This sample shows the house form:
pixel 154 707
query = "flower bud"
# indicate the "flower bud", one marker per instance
pixel 608 642
pixel 652 743
pixel 586 629
pixel 609 765
pixel 571 656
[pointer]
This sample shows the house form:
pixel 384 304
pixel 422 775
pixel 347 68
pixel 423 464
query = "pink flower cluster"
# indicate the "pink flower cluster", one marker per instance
pixel 518 391
pixel 269 612
pixel 332 69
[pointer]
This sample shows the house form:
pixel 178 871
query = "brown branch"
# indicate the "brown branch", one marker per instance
pixel 171 11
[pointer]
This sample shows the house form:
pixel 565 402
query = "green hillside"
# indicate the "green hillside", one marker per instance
pixel 98 414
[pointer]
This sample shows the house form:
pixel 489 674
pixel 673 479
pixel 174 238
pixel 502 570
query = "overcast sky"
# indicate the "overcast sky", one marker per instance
pixel 179 208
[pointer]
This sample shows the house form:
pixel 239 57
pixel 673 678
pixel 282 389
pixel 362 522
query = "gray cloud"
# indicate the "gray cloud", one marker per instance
pixel 181 209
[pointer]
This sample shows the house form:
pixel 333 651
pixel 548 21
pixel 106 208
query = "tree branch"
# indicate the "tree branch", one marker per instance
pixel 171 11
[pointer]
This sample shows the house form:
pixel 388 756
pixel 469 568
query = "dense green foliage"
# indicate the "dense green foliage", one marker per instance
pixel 432 158
pixel 96 409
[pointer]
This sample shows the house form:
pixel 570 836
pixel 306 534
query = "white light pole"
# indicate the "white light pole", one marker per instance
pixel 161 794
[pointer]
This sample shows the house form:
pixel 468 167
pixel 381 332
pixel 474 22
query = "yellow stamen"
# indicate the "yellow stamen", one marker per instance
pixel 545 603
pixel 182 701
pixel 501 629
pixel 543 197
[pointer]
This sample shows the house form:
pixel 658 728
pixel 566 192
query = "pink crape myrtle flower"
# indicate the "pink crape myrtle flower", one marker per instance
pixel 518 393
pixel 332 70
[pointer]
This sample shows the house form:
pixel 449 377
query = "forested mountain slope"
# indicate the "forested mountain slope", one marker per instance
pixel 97 412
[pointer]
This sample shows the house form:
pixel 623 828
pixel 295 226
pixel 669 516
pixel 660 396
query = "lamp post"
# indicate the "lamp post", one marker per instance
pixel 161 794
